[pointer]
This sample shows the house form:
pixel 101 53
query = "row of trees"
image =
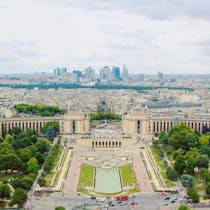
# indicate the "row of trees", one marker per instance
pixel 38 109
pixel 189 153
pixel 101 115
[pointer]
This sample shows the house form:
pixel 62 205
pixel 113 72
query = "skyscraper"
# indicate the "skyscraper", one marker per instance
pixel 124 73
pixel 116 73
pixel 89 73
pixel 60 71
pixel 105 72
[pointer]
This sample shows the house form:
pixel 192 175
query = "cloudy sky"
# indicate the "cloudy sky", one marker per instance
pixel 172 36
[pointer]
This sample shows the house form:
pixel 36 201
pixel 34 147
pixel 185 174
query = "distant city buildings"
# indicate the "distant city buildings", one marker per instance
pixel 106 74
pixel 59 71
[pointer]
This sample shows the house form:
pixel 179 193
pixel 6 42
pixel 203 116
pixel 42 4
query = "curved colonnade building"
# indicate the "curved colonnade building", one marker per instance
pixel 134 124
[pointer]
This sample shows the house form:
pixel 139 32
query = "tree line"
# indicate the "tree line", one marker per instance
pixel 38 109
pixel 102 115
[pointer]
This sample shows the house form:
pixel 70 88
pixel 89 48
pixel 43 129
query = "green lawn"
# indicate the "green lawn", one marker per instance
pixel 86 176
pixel 159 161
pixel 116 122
pixel 49 176
pixel 128 175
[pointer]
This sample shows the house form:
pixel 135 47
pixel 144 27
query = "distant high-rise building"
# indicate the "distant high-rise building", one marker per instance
pixel 140 77
pixel 89 73
pixel 78 75
pixel 116 73
pixel 59 71
pixel 124 73
pixel 160 75
pixel 105 72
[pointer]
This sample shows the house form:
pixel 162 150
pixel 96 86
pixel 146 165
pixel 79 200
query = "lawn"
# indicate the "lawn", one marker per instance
pixel 86 176
pixel 159 161
pixel 49 176
pixel 128 175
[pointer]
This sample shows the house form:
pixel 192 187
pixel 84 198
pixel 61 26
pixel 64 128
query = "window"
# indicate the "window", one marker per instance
pixel 138 127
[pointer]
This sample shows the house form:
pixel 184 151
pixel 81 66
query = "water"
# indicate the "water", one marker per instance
pixel 107 180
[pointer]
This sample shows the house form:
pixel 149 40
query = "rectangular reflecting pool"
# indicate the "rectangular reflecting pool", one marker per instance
pixel 107 180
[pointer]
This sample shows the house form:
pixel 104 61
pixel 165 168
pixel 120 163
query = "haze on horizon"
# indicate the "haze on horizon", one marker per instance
pixel 171 36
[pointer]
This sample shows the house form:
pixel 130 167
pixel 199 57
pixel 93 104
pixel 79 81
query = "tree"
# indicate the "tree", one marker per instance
pixel 171 174
pixel 16 182
pixel 42 181
pixel 26 182
pixel 50 133
pixel 207 189
pixel 190 165
pixel 19 197
pixel 60 208
pixel 205 175
pixel 187 181
pixel 53 124
pixel 8 138
pixel 10 161
pixel 4 191
pixel 182 136
pixel 205 140
pixel 205 150
pixel 25 154
pixel 33 165
pixel 177 153
pixel 202 161
pixel 193 194
pixel 15 131
pixel 40 157
pixel 161 135
pixel 43 145
pixel 183 207
pixel 179 164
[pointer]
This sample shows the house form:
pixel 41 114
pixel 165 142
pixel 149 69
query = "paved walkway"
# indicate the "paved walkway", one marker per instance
pixel 141 174
pixel 73 174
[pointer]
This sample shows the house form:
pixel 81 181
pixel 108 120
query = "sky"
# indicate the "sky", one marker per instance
pixel 171 36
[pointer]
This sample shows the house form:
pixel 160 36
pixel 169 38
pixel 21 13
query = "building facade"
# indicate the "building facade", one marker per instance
pixel 71 123
pixel 134 123
pixel 140 122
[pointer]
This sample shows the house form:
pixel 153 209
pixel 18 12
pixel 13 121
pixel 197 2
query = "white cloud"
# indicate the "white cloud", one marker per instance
pixel 38 35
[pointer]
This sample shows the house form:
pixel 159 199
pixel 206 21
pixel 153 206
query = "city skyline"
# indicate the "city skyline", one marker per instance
pixel 147 36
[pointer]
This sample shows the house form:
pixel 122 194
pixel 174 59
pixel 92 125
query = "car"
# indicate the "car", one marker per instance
pixel 122 204
pixel 112 204
pixel 106 205
pixel 165 204
pixel 167 198
pixel 173 201
pixel 93 197
pixel 133 203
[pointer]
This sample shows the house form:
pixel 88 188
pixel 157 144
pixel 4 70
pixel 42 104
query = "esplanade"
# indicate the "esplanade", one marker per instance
pixel 135 124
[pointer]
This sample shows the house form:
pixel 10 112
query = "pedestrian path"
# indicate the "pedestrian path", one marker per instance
pixel 141 174
pixel 73 174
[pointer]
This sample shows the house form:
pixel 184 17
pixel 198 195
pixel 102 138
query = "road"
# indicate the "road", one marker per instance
pixel 147 201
